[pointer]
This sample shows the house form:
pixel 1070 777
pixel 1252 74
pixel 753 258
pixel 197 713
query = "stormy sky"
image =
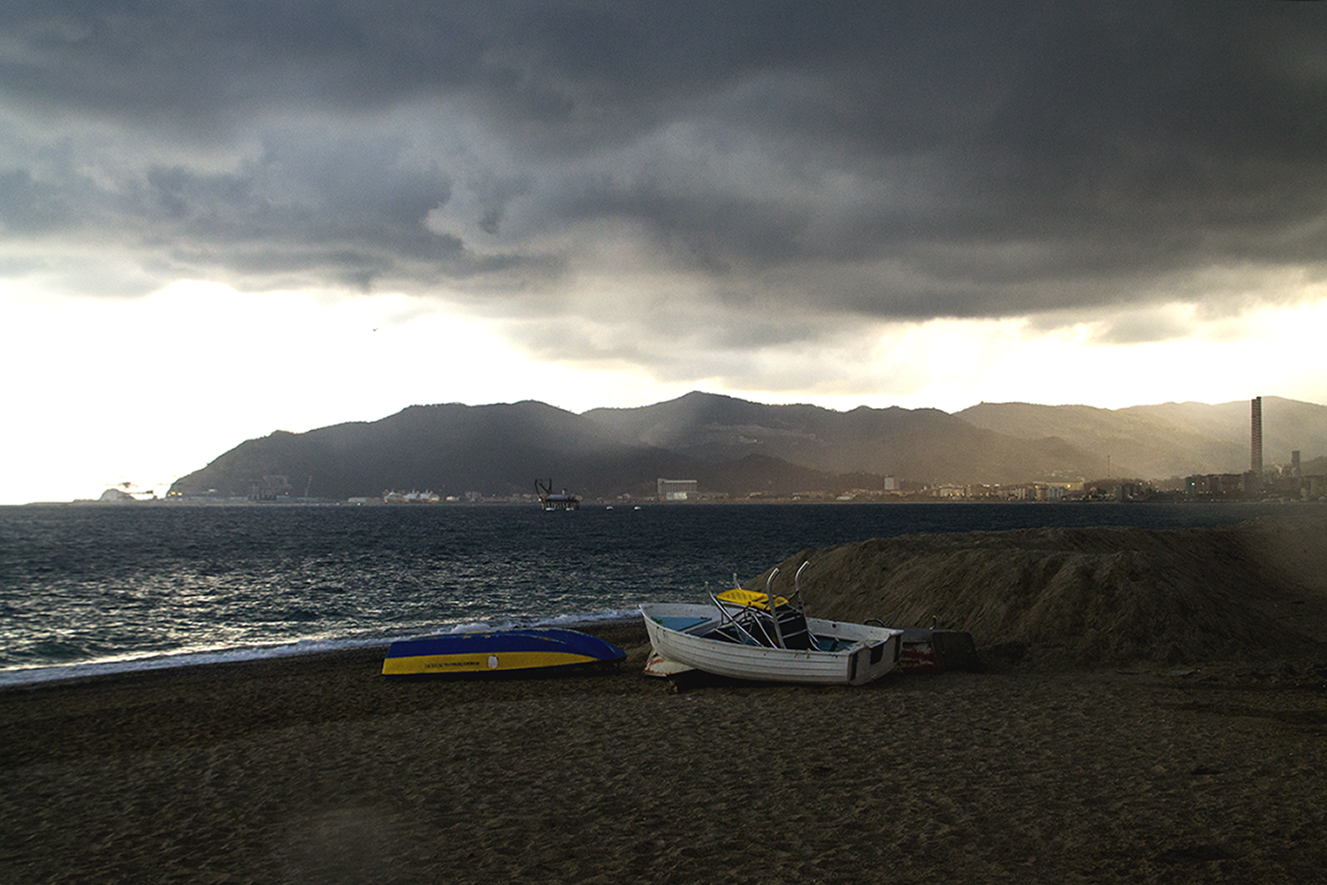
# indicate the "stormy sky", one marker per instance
pixel 252 215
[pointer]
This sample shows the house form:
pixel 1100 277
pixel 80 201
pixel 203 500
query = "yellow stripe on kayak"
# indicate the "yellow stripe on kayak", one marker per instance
pixel 480 663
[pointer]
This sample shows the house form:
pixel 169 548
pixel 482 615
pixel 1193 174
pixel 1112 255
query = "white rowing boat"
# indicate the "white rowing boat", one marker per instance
pixel 737 635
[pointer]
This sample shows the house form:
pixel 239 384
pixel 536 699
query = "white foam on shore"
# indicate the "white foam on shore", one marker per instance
pixel 110 666
pixel 32 675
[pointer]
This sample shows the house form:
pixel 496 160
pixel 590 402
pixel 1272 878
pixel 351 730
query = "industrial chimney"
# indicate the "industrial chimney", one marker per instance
pixel 1255 422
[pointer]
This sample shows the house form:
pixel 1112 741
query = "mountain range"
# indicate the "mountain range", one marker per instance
pixel 736 447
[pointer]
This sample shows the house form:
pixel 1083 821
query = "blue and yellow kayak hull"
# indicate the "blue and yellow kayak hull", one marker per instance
pixel 500 651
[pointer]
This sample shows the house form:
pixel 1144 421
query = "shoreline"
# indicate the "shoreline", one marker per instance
pixel 314 768
pixel 603 503
pixel 45 673
pixel 1089 595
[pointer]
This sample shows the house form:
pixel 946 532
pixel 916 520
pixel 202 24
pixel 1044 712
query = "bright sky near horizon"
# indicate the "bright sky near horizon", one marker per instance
pixel 221 220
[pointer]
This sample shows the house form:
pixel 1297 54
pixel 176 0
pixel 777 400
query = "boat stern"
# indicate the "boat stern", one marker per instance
pixel 874 659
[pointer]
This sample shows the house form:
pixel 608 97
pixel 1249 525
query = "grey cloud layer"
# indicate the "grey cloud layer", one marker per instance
pixel 891 160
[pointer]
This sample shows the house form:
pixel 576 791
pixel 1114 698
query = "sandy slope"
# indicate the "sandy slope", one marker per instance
pixel 1256 591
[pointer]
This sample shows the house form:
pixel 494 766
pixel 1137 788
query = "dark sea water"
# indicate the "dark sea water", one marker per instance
pixel 91 589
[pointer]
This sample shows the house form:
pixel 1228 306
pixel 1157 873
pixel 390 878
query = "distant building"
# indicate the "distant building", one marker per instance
pixel 271 488
pixel 1216 485
pixel 411 497
pixel 676 489
pixel 1048 491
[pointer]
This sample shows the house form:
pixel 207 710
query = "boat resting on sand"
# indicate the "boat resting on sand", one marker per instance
pixel 497 651
pixel 739 635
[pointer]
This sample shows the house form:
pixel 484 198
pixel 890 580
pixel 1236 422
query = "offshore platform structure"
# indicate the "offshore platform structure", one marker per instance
pixel 549 500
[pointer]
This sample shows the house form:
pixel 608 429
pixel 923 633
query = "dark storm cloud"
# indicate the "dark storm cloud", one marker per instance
pixel 891 160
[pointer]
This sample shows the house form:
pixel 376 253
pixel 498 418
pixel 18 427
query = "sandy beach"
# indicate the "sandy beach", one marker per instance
pixel 1038 768
pixel 318 770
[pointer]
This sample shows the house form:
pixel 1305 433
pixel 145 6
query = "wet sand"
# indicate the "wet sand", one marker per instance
pixel 316 769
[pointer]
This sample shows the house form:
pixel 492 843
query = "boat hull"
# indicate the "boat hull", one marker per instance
pixel 499 651
pixel 676 633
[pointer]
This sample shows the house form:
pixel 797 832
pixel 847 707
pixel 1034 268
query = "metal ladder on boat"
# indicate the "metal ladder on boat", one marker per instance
pixel 770 623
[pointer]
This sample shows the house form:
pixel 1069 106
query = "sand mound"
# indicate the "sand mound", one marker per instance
pixel 1256 591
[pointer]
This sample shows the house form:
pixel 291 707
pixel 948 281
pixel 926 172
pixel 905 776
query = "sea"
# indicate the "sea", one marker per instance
pixel 102 589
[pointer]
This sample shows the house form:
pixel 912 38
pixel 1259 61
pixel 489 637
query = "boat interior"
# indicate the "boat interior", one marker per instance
pixel 747 617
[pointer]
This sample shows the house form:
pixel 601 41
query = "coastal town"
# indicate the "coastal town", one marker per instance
pixel 754 480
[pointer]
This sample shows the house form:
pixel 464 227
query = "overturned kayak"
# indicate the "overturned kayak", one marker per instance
pixel 498 651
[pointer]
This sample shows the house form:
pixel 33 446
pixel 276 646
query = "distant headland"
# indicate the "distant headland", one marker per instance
pixel 713 448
